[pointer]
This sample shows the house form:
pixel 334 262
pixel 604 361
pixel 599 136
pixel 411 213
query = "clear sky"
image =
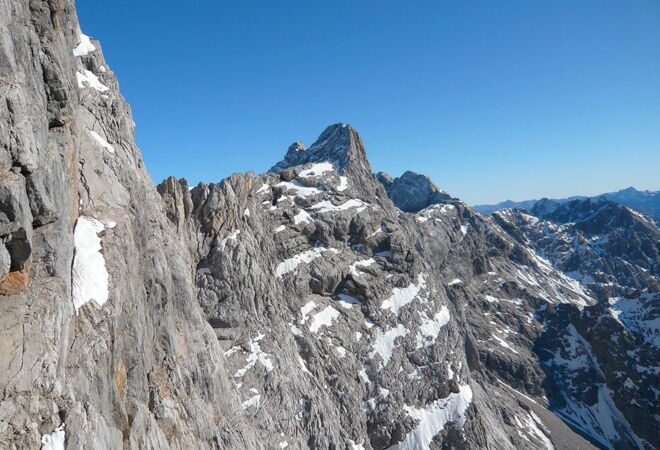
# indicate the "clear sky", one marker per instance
pixel 493 100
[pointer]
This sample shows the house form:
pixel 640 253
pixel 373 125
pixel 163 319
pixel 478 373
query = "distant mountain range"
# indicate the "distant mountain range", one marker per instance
pixel 647 202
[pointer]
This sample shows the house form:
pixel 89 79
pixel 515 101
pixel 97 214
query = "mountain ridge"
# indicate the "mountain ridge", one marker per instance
pixel 297 178
pixel 297 308
pixel 646 201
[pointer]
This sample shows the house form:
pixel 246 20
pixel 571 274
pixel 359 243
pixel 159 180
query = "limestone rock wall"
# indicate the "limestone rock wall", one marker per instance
pixel 300 308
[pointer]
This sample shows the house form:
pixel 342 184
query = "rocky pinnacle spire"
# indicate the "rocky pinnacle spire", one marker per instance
pixel 341 145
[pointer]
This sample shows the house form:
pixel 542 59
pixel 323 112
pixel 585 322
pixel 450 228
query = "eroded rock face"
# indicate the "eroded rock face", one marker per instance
pixel 299 308
pixel 137 365
pixel 612 251
pixel 412 192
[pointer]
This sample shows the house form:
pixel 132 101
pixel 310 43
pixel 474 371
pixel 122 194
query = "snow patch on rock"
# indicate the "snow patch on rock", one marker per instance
pixel 89 274
pixel 290 264
pixel 253 401
pixel 54 440
pixel 302 217
pixel 88 79
pixel 384 343
pixel 346 301
pixel 323 318
pixel 84 47
pixel 317 170
pixel 328 206
pixel 231 238
pixel 402 296
pixel 306 309
pixel 298 189
pixel 430 328
pixel 356 266
pixel 529 426
pixel 255 355
pixel 432 419
pixel 102 142
pixel 343 184
pixel 637 317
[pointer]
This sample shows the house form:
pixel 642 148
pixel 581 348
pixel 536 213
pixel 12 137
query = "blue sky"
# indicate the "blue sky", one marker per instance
pixel 494 100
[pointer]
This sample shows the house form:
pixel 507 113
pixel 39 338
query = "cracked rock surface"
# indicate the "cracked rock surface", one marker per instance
pixel 313 306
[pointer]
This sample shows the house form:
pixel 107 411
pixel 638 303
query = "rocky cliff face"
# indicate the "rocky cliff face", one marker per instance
pixel 412 192
pixel 612 251
pixel 299 308
pixel 101 333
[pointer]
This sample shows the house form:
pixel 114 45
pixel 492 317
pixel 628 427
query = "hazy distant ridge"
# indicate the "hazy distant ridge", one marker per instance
pixel 647 202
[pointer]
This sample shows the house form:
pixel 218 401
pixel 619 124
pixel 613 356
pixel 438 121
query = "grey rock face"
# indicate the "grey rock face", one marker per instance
pixel 342 146
pixel 612 251
pixel 412 192
pixel 116 350
pixel 298 308
pixel 339 144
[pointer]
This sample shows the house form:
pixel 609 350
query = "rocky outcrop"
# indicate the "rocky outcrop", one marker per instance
pixel 412 192
pixel 341 146
pixel 300 308
pixel 102 340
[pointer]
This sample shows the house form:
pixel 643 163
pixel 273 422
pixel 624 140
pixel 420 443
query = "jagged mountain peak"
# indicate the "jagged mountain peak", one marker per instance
pixel 543 207
pixel 412 192
pixel 339 144
pixel 591 214
pixel 239 314
pixel 634 191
